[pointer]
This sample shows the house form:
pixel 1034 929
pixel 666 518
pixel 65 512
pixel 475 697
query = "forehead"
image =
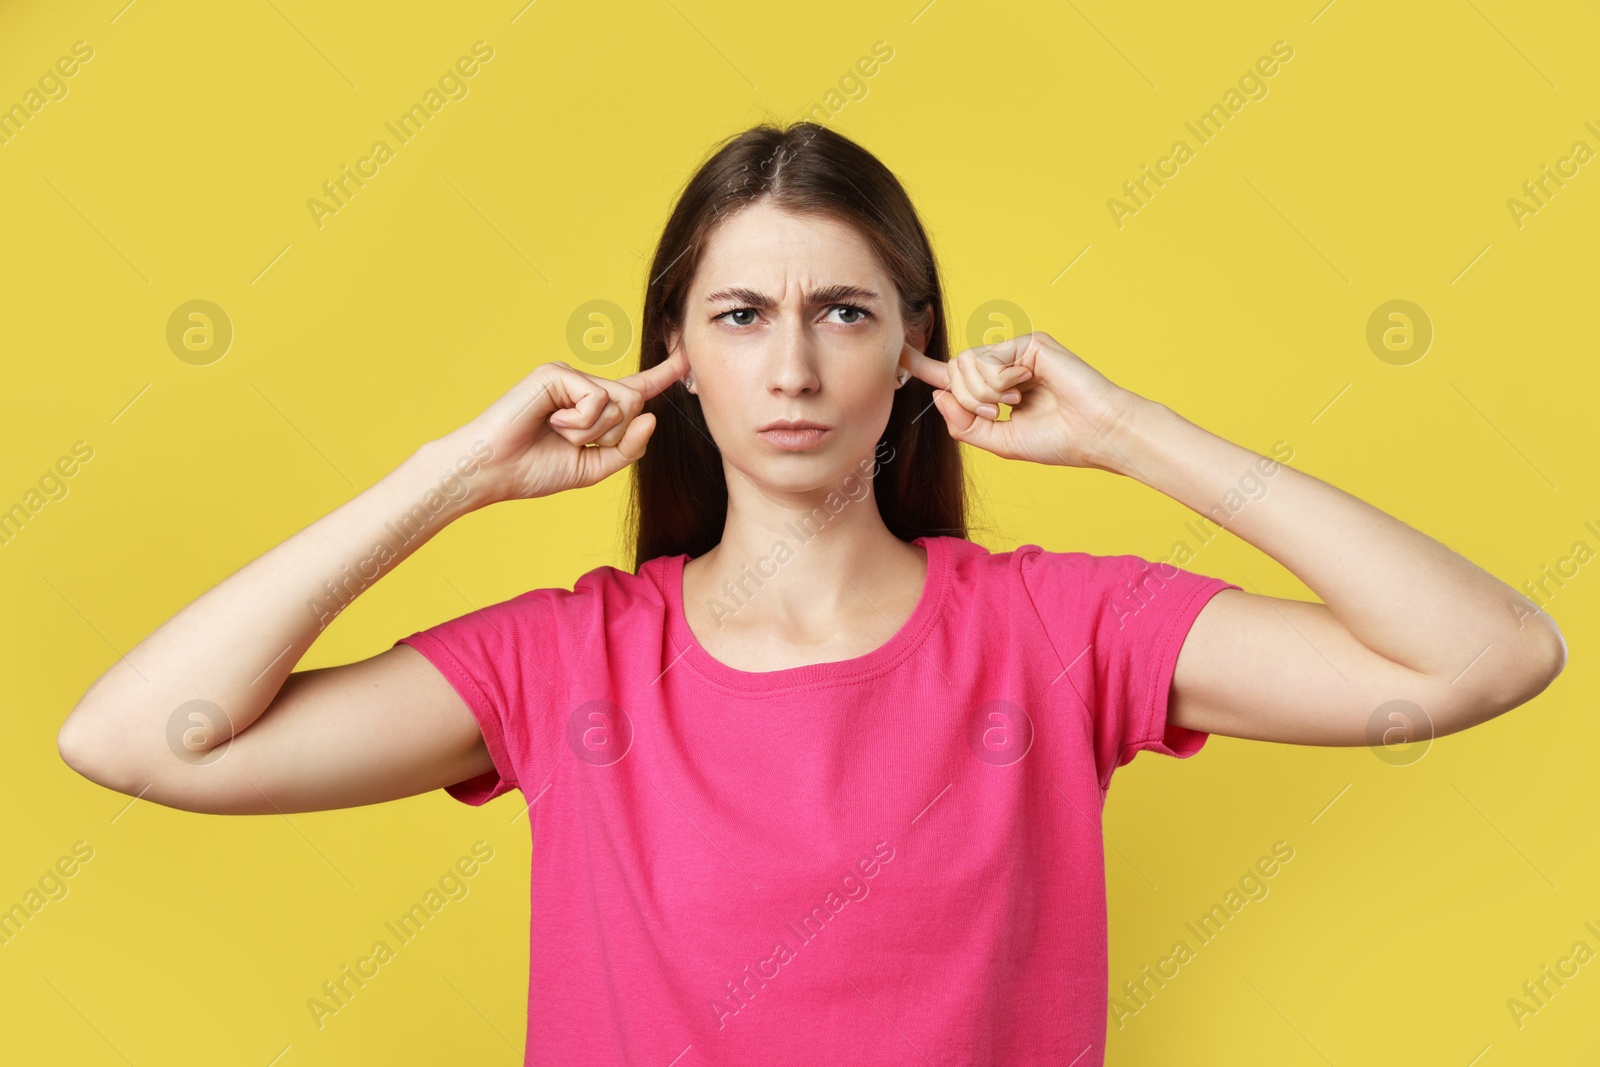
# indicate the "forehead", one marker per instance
pixel 766 247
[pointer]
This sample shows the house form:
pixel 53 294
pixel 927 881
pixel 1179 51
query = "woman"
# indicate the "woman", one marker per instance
pixel 820 780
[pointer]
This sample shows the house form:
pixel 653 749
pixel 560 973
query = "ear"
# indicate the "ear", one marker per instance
pixel 674 351
pixel 917 331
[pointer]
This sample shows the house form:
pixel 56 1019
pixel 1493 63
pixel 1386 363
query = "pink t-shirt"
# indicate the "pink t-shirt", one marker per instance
pixel 892 859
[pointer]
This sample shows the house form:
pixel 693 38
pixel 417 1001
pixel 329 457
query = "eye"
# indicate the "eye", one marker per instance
pixel 863 313
pixel 735 311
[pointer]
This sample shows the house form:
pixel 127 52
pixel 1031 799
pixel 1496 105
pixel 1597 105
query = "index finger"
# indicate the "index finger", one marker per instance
pixel 654 380
pixel 933 371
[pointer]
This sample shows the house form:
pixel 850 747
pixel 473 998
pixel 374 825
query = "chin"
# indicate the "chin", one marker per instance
pixel 839 467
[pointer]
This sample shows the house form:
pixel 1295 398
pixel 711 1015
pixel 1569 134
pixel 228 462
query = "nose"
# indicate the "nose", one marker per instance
pixel 793 362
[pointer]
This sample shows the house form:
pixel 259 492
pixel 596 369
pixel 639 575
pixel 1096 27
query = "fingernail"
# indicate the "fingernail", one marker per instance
pixel 1011 396
pixel 988 411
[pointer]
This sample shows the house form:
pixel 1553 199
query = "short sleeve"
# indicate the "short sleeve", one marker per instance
pixel 1117 624
pixel 502 660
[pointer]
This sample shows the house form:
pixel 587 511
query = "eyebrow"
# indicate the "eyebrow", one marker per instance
pixel 828 294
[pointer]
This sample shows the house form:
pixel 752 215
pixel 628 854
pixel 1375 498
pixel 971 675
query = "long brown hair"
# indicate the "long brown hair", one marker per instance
pixel 679 498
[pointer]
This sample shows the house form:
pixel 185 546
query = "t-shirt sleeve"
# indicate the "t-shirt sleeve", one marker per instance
pixel 503 659
pixel 1116 625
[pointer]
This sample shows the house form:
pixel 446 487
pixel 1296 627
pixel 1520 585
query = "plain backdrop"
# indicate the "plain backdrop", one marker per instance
pixel 1380 163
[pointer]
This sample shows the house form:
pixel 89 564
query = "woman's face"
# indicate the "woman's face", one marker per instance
pixel 793 317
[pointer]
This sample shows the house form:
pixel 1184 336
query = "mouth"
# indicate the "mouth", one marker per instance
pixel 795 435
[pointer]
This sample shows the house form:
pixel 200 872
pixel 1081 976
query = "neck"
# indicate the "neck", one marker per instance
pixel 812 562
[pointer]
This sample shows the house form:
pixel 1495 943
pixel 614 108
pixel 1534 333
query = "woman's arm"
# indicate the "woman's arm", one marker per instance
pixel 205 715
pixel 336 737
pixel 1403 617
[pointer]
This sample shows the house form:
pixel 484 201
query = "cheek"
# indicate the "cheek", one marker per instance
pixel 729 375
pixel 868 397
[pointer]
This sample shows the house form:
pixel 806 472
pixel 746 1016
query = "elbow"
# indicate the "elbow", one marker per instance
pixel 1557 657
pixel 83 748
pixel 1543 665
pixel 72 745
pixel 1511 688
pixel 108 753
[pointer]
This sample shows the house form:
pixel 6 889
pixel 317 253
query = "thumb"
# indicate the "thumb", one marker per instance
pixel 602 461
pixel 963 424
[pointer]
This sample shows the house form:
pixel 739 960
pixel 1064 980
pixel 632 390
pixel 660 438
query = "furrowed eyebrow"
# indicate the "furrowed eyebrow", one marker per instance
pixel 828 294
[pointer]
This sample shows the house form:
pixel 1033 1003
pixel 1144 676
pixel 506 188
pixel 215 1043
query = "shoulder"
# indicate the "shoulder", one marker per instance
pixel 1031 564
pixel 609 590
pixel 1035 564
pixel 1079 583
pixel 623 600
pixel 603 592
pixel 1032 574
pixel 971 563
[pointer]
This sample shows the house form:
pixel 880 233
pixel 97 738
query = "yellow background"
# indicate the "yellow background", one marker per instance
pixel 1377 167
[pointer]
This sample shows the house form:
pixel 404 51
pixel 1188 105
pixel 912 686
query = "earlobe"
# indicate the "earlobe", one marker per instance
pixel 902 373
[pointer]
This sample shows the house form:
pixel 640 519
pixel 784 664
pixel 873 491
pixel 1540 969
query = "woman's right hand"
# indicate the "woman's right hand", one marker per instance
pixel 538 432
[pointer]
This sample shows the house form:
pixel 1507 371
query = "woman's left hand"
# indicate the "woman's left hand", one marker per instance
pixel 1062 409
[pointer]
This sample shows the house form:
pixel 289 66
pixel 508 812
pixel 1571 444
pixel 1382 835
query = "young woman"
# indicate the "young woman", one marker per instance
pixel 820 780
